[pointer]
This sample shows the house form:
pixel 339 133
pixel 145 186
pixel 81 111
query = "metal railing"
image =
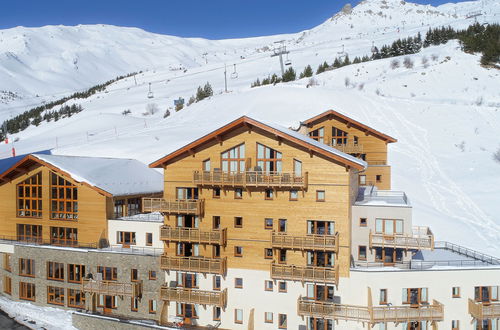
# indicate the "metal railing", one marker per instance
pixel 193 296
pixel 147 251
pixel 390 196
pixel 173 206
pixel 30 240
pixel 305 273
pixel 421 264
pixel 305 242
pixel 481 311
pixel 112 288
pixel 194 264
pixel 251 179
pixel 193 235
pixel 422 238
pixel 467 252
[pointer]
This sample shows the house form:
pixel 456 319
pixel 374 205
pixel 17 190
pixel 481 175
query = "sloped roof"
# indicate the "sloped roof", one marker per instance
pixel 352 122
pixel 279 131
pixel 109 176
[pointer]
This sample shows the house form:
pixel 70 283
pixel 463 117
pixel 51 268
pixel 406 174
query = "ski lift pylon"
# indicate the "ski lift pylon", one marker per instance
pixel 150 93
pixel 234 75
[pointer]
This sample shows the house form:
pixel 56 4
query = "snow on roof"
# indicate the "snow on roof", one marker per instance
pixel 313 142
pixel 116 176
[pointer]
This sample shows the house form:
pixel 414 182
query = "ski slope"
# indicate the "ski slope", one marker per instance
pixel 445 111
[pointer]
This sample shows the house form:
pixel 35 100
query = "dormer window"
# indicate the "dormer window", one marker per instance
pixel 339 137
pixel 63 199
pixel 318 134
pixel 29 197
pixel 268 160
pixel 233 160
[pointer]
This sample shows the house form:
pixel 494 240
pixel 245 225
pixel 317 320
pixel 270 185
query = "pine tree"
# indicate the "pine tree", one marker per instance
pixel 336 63
pixel 308 72
pixel 207 89
pixel 289 75
pixel 347 61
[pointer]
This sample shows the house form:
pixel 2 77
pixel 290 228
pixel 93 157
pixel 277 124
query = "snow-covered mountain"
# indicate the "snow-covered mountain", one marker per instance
pixel 444 111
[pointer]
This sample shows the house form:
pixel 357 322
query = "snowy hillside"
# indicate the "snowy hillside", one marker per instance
pixel 445 111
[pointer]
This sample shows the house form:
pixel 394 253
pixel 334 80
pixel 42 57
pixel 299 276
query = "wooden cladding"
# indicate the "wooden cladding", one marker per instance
pixel 305 242
pixel 251 179
pixel 189 296
pixel 305 273
pixel 482 311
pixel 349 147
pixel 194 264
pixel 370 314
pixel 193 235
pixel 173 206
pixel 420 240
pixel 111 288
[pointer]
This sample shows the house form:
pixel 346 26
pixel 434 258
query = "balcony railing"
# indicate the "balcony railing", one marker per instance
pixel 193 235
pixel 348 148
pixel 482 311
pixel 422 238
pixel 251 179
pixel 192 296
pixel 305 242
pixel 174 206
pixel 371 315
pixel 305 273
pixel 194 264
pixel 111 288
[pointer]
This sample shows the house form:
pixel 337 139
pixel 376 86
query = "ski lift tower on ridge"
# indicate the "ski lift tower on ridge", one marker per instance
pixel 150 93
pixel 279 51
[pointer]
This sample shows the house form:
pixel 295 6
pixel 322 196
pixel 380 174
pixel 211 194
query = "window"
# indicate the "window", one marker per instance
pixel 76 298
pixel 355 140
pixel 238 282
pixel 238 316
pixel 233 160
pixel 216 193
pixel 268 223
pixel 184 193
pixel 383 297
pixel 55 295
pixel 294 195
pixel 187 280
pixel 63 199
pixel 269 194
pixel 414 296
pixel 107 301
pixel 339 137
pixel 282 256
pixel 282 321
pixel 134 304
pixel 187 310
pixel 320 195
pixel 63 236
pixel 362 252
pixel 133 206
pixel 378 177
pixel 282 286
pixel 217 313
pixel 29 233
pixel 282 226
pixel 297 167
pixel 55 271
pixel 216 251
pixel 125 237
pixel 119 208
pixel 217 282
pixel 318 134
pixel 362 222
pixel 486 293
pixel 29 197
pixel 108 273
pixel 268 285
pixel 455 325
pixel 7 285
pixel 269 160
pixel 319 227
pixel 362 180
pixel 238 251
pixel 455 292
pixel 268 317
pixel 206 165
pixel 27 291
pixel 149 239
pixel 268 253
pixel 238 193
pixel 388 227
pixel 238 222
pixel 152 274
pixel 152 306
pixel 216 222
pixel 134 275
pixel 76 273
pixel 6 262
pixel 26 267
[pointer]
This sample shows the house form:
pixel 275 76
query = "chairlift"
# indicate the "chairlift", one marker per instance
pixel 234 75
pixel 287 61
pixel 150 93
pixel 342 52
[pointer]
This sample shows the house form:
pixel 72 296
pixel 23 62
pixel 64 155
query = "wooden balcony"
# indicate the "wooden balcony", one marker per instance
pixel 174 206
pixel 193 235
pixel 251 179
pixel 112 288
pixel 482 311
pixel 194 264
pixel 369 314
pixel 348 148
pixel 305 242
pixel 192 296
pixel 421 239
pixel 305 273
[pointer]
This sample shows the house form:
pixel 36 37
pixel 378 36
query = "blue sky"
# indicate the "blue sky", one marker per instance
pixel 213 19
